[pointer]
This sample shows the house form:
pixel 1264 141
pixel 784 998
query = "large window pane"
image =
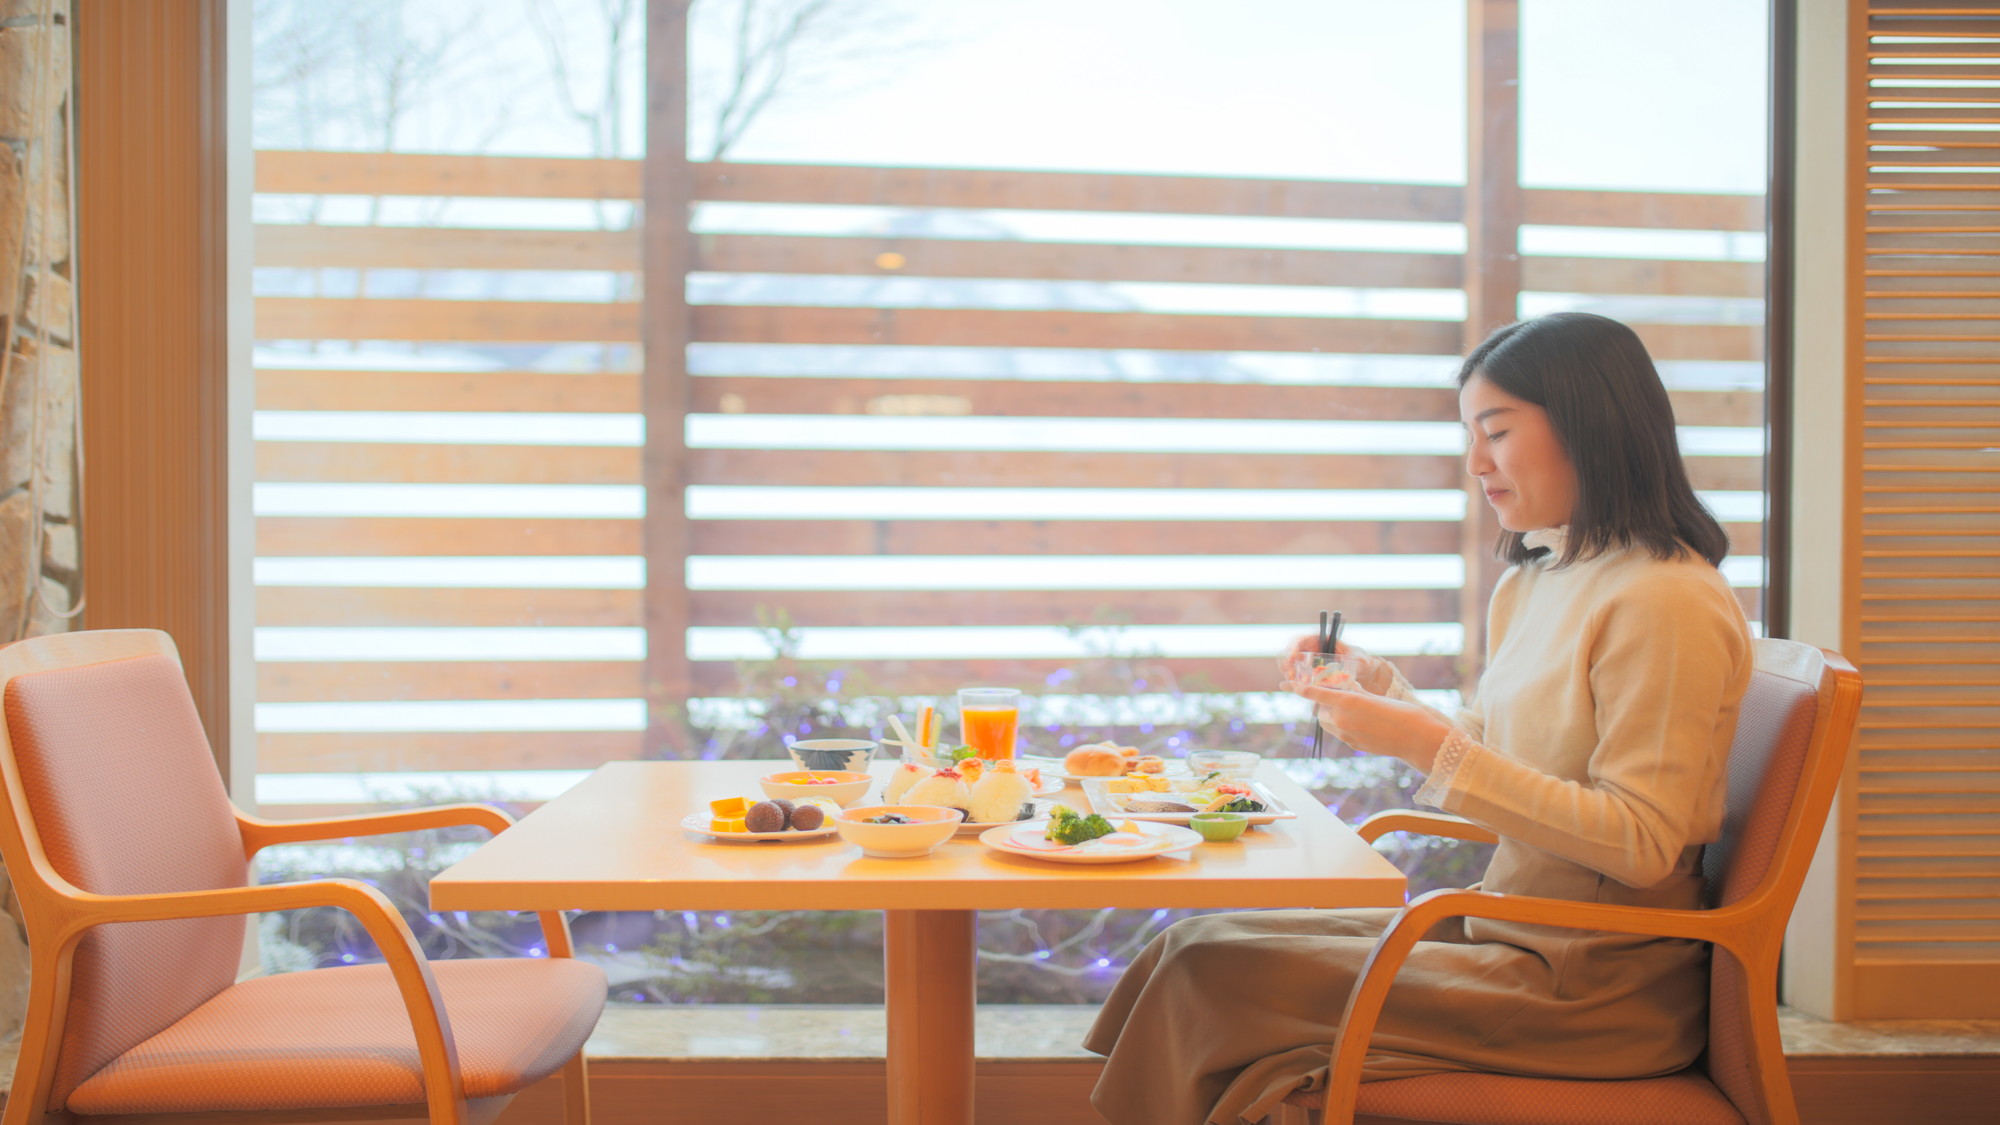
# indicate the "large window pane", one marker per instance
pixel 1085 348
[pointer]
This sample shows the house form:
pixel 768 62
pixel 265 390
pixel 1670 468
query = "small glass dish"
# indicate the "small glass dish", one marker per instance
pixel 1234 765
pixel 1331 670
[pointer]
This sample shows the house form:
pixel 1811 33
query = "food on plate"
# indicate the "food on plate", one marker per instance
pixel 1033 775
pixel 1095 760
pixel 807 814
pixel 764 816
pixel 906 775
pixel 1127 835
pixel 1000 795
pixel 1141 793
pixel 1227 796
pixel 1067 826
pixel 816 779
pixel 1149 764
pixel 970 769
pixel 945 788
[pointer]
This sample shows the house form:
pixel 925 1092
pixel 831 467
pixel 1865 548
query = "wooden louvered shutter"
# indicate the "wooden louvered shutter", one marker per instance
pixel 1923 821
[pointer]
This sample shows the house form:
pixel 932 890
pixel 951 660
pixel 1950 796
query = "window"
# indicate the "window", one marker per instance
pixel 1088 349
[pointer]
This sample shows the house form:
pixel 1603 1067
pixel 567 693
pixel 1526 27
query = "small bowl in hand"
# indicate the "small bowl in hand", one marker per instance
pixel 823 754
pixel 842 787
pixel 924 828
pixel 1219 827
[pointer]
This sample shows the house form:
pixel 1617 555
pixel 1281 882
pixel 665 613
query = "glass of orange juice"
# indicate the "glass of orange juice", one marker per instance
pixel 989 718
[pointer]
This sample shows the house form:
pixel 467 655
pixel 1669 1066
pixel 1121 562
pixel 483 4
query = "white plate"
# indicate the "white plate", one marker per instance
pixel 974 828
pixel 1053 768
pixel 1052 784
pixel 1113 804
pixel 699 822
pixel 1017 839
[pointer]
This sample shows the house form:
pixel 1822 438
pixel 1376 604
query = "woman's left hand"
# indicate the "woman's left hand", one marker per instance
pixel 1375 724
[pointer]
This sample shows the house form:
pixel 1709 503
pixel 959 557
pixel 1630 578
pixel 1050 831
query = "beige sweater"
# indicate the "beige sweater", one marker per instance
pixel 1595 749
pixel 1599 731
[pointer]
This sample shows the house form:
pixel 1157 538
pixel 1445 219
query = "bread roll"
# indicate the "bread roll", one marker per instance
pixel 1094 761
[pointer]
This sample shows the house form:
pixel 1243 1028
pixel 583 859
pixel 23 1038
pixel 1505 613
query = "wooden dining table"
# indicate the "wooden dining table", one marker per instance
pixel 614 842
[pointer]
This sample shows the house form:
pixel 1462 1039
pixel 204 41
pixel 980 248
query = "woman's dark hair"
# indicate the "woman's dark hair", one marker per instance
pixel 1609 409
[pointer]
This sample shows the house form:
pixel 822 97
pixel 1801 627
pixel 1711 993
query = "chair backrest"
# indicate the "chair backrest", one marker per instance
pixel 122 796
pixel 1784 764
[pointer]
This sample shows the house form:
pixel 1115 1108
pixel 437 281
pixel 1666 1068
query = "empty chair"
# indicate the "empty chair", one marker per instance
pixel 130 863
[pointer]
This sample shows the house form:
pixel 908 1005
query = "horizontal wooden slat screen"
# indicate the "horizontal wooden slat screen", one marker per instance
pixel 745 286
pixel 1925 836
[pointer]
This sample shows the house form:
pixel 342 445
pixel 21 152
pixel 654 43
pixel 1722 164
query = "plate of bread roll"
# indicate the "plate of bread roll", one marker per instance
pixel 1106 759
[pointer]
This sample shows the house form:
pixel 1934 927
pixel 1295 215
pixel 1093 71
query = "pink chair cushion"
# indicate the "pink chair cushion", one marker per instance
pixel 127 800
pixel 1766 762
pixel 1685 1098
pixel 342 1037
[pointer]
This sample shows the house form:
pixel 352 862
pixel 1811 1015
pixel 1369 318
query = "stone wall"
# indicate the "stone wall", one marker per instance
pixel 40 577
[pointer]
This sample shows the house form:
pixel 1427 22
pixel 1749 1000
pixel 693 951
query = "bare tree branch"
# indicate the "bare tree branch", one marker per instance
pixel 764 51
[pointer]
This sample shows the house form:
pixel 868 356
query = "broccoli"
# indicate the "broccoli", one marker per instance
pixel 1243 805
pixel 1067 827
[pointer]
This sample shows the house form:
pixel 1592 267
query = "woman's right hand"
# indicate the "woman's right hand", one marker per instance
pixel 1371 673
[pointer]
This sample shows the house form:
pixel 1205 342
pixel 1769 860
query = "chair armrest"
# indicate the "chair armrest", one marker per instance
pixel 259 833
pixel 1429 823
pixel 443 1083
pixel 1724 926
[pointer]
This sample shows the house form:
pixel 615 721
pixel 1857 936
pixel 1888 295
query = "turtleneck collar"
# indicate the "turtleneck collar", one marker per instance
pixel 1554 538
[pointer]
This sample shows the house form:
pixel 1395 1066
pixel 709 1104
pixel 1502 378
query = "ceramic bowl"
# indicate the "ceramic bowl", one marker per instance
pixel 1218 827
pixel 824 754
pixel 842 787
pixel 929 827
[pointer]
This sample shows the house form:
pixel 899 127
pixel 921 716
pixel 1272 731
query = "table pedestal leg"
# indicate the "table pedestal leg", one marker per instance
pixel 930 957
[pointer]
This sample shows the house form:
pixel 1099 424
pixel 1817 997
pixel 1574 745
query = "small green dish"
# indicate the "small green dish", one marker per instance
pixel 1219 827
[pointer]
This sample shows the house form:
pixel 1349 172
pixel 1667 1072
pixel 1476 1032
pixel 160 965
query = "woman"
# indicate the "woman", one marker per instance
pixel 1594 747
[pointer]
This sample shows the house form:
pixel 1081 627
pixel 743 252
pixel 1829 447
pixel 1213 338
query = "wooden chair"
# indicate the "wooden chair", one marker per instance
pixel 130 864
pixel 1791 745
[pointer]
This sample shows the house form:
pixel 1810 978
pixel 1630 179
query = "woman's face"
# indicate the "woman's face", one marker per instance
pixel 1517 457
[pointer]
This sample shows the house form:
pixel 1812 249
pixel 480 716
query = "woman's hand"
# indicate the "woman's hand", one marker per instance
pixel 1375 725
pixel 1372 673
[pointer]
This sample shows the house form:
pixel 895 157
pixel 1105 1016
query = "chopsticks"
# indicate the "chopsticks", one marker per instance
pixel 926 736
pixel 1329 641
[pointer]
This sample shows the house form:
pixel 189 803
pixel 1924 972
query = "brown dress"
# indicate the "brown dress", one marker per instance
pixel 1596 750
